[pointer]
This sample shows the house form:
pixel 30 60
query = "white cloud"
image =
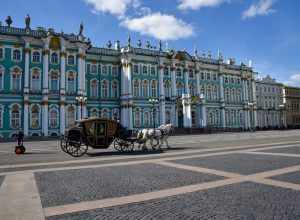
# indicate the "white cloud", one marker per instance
pixel 197 4
pixel 159 26
pixel 115 7
pixel 295 77
pixel 262 7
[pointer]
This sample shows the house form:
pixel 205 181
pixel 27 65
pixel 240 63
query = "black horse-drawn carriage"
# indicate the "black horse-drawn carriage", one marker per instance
pixel 96 133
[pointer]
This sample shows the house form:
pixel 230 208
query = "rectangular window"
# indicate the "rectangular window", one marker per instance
pixel 35 83
pixel 71 84
pixel 114 71
pixel 15 82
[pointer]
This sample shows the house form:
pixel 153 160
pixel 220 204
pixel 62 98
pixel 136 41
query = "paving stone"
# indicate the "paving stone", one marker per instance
pixel 1 180
pixel 241 163
pixel 286 150
pixel 66 187
pixel 239 201
pixel 293 177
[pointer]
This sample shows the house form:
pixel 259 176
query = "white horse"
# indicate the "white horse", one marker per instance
pixel 160 134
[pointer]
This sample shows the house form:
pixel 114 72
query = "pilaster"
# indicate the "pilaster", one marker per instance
pixel 63 71
pixel 62 114
pixel 45 69
pixel 45 104
pixel 26 114
pixel 186 105
pixel 26 70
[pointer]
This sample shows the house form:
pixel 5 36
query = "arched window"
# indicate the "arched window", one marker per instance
pixel 35 81
pixel 215 93
pixel 115 89
pixel 217 117
pixel 15 119
pixel 241 117
pixel 179 89
pixel 145 89
pixel 166 71
pixel 94 113
pixel 36 58
pixel 153 89
pixel 35 117
pixel 227 117
pixel 192 90
pixel 233 95
pixel 16 83
pixel 152 71
pixel 210 118
pixel 104 70
pixel 146 119
pixel 168 117
pixel 136 69
pixel 227 94
pixel 16 55
pixel 1 78
pixel 54 82
pixel 178 72
pixel 94 88
pixel 136 88
pixel 94 69
pixel 209 91
pixel 53 118
pixel 104 89
pixel 137 118
pixel 1 53
pixel 167 88
pixel 145 72
pixel 71 60
pixel 54 58
pixel 234 117
pixel 114 71
pixel 105 113
pixel 70 117
pixel 71 83
pixel 191 74
pixel 239 95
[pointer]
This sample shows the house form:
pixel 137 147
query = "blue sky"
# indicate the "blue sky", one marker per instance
pixel 264 31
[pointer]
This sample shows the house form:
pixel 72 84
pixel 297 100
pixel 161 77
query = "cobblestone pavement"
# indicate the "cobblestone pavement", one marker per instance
pixel 251 175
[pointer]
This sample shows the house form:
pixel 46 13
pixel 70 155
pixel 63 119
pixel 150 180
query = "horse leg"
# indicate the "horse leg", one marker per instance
pixel 166 139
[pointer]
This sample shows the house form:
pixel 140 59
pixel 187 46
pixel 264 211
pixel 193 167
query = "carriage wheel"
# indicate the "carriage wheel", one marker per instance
pixel 63 144
pixel 127 146
pixel 118 144
pixel 75 147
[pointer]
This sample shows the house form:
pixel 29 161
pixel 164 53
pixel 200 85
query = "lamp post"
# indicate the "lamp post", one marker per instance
pixel 153 102
pixel 281 116
pixel 81 100
pixel 251 106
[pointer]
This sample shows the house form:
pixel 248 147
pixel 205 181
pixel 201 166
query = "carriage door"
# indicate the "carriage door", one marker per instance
pixel 180 118
pixel 101 137
pixel 90 128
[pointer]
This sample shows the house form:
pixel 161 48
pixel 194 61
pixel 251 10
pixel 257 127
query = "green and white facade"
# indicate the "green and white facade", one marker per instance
pixel 42 72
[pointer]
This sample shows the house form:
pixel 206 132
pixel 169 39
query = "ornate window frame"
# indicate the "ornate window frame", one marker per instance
pixel 34 55
pixel 137 117
pixel 35 71
pixel 13 58
pixel 74 59
pixel 12 107
pixel 2 72
pixel 135 69
pixel 15 70
pixel 71 74
pixel 104 89
pixel 136 88
pixel 52 61
pixel 94 69
pixel 70 108
pixel 35 107
pixel 94 84
pixel 54 73
pixel 146 121
pixel 114 89
pixel 154 88
pixel 94 112
pixel 54 108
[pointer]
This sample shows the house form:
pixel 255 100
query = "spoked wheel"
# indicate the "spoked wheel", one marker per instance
pixel 75 147
pixel 127 146
pixel 63 144
pixel 118 144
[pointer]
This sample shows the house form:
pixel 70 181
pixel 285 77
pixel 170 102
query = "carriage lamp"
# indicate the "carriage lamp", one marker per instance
pixel 153 102
pixel 81 100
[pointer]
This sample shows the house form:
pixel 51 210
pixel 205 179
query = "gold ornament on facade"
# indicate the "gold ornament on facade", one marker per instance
pixel 54 43
pixel 220 74
pixel 27 50
pixel 80 55
pixel 46 52
pixel 26 102
pixel 35 108
pixel 54 73
pixel 17 46
pixel 71 74
pixel 161 67
pixel 14 107
pixel 94 62
pixel 63 54
pixel 63 103
pixel 44 103
pixel 173 68
pixel 16 70
pixel 197 71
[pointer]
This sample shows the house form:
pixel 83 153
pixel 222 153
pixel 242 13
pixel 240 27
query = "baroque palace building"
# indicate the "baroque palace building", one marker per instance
pixel 42 72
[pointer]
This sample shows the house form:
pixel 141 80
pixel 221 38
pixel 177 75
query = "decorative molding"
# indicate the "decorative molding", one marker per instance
pixel 161 67
pixel 26 102
pixel 46 52
pixel 44 102
pixel 27 50
pixel 63 54
pixel 173 68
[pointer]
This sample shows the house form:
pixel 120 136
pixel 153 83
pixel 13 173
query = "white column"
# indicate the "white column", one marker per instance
pixel 63 72
pixel 197 83
pixel 124 99
pixel 79 75
pixel 221 88
pixel 83 77
pixel 84 111
pixel 78 111
pixel 203 113
pixel 129 96
pixel 186 105
pixel 162 103
pixel 62 114
pixel 26 71
pixel 46 70
pixel 223 118
pixel 26 114
pixel 45 115
pixel 244 90
pixel 246 121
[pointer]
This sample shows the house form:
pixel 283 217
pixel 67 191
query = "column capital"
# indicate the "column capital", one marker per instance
pixel 27 50
pixel 63 54
pixel 46 52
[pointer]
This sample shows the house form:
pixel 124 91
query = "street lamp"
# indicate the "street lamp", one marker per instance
pixel 81 100
pixel 281 116
pixel 153 102
pixel 251 105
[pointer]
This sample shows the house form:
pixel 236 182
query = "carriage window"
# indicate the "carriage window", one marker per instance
pixel 90 128
pixel 101 128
